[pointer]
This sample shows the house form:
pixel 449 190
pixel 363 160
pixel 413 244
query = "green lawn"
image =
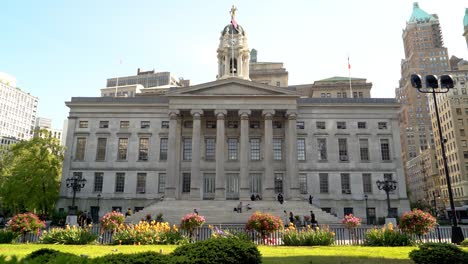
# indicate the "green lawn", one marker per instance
pixel 278 254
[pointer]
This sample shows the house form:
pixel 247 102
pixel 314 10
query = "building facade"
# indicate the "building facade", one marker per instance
pixel 43 123
pixel 231 138
pixel 423 178
pixel 271 73
pixel 335 87
pixel 465 26
pixel 17 111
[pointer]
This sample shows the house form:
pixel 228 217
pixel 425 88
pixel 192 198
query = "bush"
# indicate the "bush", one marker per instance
pixel 27 222
pixel 264 223
pixel 220 250
pixel 137 258
pixel 192 221
pixel 464 243
pixel 7 236
pixel 50 256
pixel 112 221
pixel 438 253
pixel 417 222
pixel 217 232
pixel 69 236
pixel 350 221
pixel 387 237
pixel 308 236
pixel 58 218
pixel 145 233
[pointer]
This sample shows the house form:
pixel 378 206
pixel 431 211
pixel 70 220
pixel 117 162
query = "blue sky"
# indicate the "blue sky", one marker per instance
pixel 59 49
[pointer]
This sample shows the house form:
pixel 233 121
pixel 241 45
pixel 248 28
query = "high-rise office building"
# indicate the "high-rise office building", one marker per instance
pixel 17 111
pixel 424 54
pixel 465 26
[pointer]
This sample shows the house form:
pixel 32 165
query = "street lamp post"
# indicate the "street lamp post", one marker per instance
pixel 367 216
pixel 435 203
pixel 76 183
pixel 388 186
pixel 446 83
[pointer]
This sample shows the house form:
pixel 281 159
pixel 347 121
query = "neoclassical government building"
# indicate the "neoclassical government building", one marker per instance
pixel 231 138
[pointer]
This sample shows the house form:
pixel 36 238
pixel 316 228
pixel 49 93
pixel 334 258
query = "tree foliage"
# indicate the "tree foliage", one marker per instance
pixel 30 174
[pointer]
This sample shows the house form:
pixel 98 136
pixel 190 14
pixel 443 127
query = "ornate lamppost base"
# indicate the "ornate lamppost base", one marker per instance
pixel 457 235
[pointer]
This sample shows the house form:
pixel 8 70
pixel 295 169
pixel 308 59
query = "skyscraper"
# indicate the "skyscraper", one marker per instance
pixel 424 54
pixel 465 26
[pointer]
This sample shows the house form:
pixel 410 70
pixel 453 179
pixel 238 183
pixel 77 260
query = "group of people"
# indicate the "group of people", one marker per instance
pixel 85 219
pixel 289 218
pixel 239 207
pixel 254 197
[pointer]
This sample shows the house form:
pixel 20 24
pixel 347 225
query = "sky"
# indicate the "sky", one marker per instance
pixel 63 49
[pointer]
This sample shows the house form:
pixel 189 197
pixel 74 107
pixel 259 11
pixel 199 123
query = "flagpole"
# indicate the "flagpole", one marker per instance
pixel 232 50
pixel 349 75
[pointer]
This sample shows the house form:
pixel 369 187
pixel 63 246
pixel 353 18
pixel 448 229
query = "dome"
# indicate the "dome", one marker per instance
pixel 231 30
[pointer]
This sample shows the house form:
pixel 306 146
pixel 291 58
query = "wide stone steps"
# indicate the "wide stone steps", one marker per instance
pixel 222 212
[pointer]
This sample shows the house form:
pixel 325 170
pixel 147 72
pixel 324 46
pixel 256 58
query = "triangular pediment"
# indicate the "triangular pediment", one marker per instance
pixel 231 87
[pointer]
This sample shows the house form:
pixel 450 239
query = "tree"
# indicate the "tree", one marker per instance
pixel 30 175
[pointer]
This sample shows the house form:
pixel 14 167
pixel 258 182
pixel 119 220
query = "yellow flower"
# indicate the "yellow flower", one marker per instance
pixel 68 227
pixel 390 226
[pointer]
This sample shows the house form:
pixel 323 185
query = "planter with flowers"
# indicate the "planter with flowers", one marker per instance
pixel 351 223
pixel 111 221
pixel 417 222
pixel 25 223
pixel 264 224
pixel 191 222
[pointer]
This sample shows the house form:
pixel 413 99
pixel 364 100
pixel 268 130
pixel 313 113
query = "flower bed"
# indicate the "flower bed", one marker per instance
pixel 145 233
pixel 308 236
pixel 69 236
pixel 111 221
pixel 387 237
pixel 27 222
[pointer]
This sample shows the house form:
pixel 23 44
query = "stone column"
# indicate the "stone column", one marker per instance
pixel 291 179
pixel 171 171
pixel 244 155
pixel 226 65
pixel 268 182
pixel 220 186
pixel 195 185
pixel 239 65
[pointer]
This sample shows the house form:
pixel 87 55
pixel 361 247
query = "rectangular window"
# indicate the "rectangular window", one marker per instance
pixel 210 123
pixel 119 182
pixel 345 184
pixel 254 149
pixel 187 149
pixel 101 149
pixel 83 124
pixel 300 125
pixel 322 148
pixel 385 149
pixel 460 122
pixel 98 180
pixel 233 124
pixel 255 183
pixel 123 147
pixel 254 124
pixel 80 148
pixel 367 182
pixel 164 124
pixel 320 125
pixel 343 149
pixel 232 149
pixel 382 125
pixel 361 95
pixel 124 124
pixel 388 177
pixel 277 124
pixel 143 148
pixel 277 149
pixel 355 94
pixel 462 132
pixel 341 125
pixel 188 124
pixel 323 178
pixel 361 125
pixel 459 111
pixel 161 182
pixel 210 147
pixel 301 149
pixel 163 149
pixel 186 182
pixel 103 124
pixel 278 182
pixel 348 210
pixel 141 183
pixel 364 148
pixel 303 183
pixel 145 124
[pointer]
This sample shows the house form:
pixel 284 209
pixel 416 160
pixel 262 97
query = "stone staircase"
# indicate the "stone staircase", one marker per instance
pixel 222 212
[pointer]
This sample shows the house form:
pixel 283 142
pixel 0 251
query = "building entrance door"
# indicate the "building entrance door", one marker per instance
pixel 232 186
pixel 95 214
pixel 256 184
pixel 209 186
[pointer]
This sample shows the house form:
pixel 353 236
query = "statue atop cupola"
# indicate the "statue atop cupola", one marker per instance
pixel 233 51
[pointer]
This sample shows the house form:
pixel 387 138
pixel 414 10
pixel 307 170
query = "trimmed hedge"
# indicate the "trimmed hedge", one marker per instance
pixel 220 250
pixel 439 253
pixel 137 258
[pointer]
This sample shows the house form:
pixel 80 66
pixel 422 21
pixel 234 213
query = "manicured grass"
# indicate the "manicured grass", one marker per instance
pixel 271 254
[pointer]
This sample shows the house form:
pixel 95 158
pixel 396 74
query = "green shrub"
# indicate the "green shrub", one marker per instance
pixel 58 218
pixel 387 237
pixel 438 253
pixel 69 236
pixel 50 256
pixel 219 250
pixel 138 258
pixel 308 236
pixel 464 243
pixel 148 233
pixel 7 236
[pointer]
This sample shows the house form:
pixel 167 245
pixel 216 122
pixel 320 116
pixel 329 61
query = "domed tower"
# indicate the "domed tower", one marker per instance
pixel 233 52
